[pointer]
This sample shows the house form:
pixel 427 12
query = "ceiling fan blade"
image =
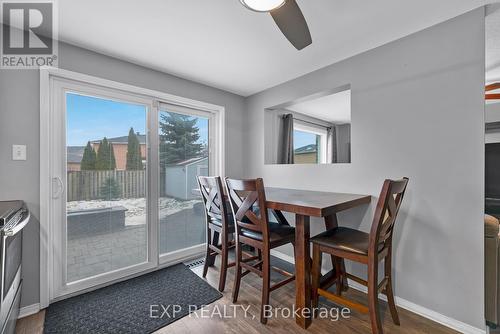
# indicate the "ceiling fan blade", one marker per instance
pixel 292 24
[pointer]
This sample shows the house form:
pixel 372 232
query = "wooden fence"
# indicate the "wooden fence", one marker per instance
pixel 87 185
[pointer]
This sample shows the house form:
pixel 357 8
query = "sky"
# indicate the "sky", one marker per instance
pixel 90 118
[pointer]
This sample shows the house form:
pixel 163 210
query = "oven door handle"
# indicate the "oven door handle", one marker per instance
pixel 19 226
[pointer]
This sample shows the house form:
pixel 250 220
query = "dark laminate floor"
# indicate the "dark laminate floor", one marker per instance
pixel 283 297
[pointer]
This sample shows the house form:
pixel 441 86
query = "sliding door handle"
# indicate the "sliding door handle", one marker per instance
pixel 58 187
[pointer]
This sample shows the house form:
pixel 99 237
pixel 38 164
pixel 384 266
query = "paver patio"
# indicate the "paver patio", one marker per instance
pixel 90 255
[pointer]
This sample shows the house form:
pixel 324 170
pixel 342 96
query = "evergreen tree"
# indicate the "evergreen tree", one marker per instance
pixel 134 159
pixel 110 189
pixel 179 136
pixel 89 158
pixel 113 159
pixel 105 156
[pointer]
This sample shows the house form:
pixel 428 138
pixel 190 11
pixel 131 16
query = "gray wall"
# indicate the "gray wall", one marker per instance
pixel 19 119
pixel 406 98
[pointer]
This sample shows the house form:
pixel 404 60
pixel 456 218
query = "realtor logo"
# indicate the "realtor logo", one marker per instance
pixel 28 34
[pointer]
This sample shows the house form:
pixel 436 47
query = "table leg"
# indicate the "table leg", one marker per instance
pixel 302 271
pixel 330 223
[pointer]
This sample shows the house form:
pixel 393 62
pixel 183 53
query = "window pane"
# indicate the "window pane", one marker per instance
pixel 106 185
pixel 306 147
pixel 183 157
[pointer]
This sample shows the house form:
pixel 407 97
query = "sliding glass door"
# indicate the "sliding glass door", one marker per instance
pixel 123 173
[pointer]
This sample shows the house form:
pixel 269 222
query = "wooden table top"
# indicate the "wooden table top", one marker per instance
pixel 312 203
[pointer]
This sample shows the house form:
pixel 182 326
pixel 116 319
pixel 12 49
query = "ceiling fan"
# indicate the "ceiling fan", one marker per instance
pixel 288 17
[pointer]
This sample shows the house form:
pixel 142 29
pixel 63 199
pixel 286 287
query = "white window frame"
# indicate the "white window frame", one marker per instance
pixel 47 104
pixel 316 130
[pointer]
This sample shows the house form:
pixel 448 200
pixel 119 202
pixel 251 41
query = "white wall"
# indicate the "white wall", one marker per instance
pixel 20 124
pixel 417 111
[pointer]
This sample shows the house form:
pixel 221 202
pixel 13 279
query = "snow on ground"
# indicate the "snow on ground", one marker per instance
pixel 136 207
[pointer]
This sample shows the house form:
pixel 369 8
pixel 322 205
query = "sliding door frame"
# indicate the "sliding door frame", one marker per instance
pixel 156 98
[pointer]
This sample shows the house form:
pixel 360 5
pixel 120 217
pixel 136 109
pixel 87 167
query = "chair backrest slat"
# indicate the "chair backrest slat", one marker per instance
pixel 212 194
pixel 244 196
pixel 387 209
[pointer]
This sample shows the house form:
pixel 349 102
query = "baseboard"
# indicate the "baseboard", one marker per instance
pixel 407 305
pixel 442 319
pixel 29 310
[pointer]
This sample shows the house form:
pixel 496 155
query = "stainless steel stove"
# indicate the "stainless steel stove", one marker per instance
pixel 13 218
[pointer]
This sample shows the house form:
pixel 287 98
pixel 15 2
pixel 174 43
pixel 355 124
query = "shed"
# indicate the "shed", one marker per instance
pixel 181 178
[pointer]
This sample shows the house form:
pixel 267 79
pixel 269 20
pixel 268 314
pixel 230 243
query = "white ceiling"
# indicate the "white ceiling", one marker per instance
pixel 493 44
pixel 223 44
pixel 335 108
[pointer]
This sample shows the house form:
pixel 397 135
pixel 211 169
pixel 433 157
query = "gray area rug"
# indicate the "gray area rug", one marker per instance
pixel 126 307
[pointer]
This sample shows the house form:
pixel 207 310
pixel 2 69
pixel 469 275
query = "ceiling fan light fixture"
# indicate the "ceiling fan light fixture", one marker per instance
pixel 262 5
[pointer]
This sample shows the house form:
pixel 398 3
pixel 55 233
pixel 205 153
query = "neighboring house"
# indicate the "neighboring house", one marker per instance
pixel 306 154
pixel 74 155
pixel 120 145
pixel 180 178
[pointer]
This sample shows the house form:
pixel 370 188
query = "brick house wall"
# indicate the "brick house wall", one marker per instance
pixel 120 150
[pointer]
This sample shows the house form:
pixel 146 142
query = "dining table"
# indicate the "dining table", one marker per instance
pixel 306 204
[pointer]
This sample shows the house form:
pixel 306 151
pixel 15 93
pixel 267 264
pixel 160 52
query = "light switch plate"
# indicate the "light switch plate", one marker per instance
pixel 18 152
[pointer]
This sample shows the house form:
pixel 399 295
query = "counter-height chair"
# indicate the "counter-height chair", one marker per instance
pixel 248 203
pixel 369 249
pixel 220 225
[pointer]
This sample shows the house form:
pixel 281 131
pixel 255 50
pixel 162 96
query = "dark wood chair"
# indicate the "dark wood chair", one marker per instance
pixel 248 203
pixel 220 223
pixel 369 249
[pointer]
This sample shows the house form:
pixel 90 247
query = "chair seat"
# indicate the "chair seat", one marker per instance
pixel 345 239
pixel 277 233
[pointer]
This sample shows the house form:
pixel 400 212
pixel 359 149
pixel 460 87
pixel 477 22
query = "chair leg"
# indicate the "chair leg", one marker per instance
pixel 388 289
pixel 237 275
pixel 266 284
pixel 340 275
pixel 316 276
pixel 259 254
pixel 207 253
pixel 223 263
pixel 373 305
pixel 215 242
